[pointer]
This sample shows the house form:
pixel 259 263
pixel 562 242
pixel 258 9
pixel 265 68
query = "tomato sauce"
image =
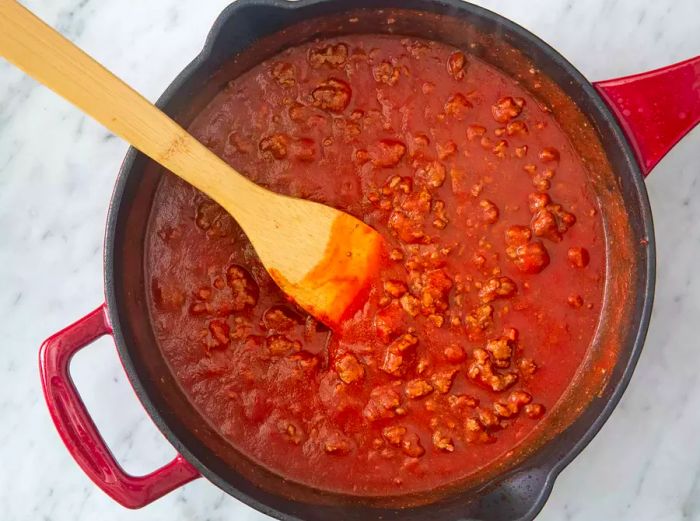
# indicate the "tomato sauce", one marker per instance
pixel 488 298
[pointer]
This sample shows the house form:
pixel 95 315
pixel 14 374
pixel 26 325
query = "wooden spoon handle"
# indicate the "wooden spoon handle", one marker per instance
pixel 51 59
pixel 323 258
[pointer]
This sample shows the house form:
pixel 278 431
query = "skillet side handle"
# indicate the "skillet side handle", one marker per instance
pixel 78 431
pixel 655 109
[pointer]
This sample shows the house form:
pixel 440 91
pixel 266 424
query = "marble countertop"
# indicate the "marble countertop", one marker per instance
pixel 57 170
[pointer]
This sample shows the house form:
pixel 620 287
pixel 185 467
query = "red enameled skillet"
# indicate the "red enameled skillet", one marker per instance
pixel 637 119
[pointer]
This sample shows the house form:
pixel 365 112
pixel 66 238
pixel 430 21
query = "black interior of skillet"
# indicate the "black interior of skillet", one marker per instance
pixel 256 27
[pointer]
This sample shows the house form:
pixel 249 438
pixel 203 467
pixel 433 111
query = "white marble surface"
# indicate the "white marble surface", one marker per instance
pixel 56 174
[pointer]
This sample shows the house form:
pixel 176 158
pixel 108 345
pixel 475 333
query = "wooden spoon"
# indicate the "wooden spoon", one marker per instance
pixel 322 258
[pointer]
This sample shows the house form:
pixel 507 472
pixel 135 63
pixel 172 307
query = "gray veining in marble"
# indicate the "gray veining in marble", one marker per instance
pixel 643 466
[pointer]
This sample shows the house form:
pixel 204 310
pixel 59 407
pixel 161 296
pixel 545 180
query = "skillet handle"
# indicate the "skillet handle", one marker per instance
pixel 78 431
pixel 656 108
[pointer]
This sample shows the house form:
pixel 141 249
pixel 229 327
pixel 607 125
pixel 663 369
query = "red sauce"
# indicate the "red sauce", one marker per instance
pixel 488 299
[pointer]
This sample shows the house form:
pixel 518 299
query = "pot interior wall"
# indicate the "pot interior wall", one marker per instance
pixel 251 32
